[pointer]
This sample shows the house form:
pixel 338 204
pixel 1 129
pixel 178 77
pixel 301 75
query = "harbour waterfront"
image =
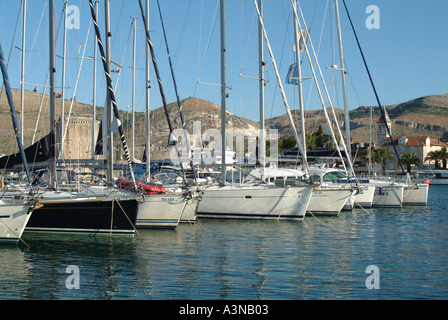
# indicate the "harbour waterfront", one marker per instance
pixel 249 260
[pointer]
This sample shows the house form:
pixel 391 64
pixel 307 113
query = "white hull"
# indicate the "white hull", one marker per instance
pixel 255 202
pixel 388 196
pixel 190 211
pixel 416 195
pixel 158 211
pixel 13 220
pixel 364 197
pixel 328 201
pixel 165 211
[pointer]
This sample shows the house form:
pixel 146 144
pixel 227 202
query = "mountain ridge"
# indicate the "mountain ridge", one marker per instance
pixel 423 116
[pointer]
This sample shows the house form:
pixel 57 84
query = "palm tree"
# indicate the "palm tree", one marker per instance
pixel 433 156
pixel 410 159
pixel 382 156
pixel 374 158
pixel 442 155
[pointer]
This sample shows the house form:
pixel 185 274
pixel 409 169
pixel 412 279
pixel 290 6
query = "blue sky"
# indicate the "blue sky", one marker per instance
pixel 407 56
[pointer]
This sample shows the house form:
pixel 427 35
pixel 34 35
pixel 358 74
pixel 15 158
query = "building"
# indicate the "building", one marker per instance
pixel 420 145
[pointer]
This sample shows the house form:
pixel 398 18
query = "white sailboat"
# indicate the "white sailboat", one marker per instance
pixel 328 199
pixel 168 208
pixel 415 193
pixel 13 219
pixel 14 214
pixel 257 201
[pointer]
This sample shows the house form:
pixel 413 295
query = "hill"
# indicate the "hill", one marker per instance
pixel 422 116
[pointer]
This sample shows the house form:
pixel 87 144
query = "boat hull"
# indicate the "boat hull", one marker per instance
pixel 328 202
pixel 416 195
pixel 257 202
pixel 364 197
pixel 13 220
pixel 389 196
pixel 85 217
pixel 166 211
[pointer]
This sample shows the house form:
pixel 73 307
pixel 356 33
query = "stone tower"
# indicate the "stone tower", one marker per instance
pixel 382 129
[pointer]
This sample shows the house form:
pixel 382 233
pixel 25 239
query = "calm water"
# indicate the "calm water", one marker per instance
pixel 325 259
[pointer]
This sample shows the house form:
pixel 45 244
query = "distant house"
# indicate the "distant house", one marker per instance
pixel 420 145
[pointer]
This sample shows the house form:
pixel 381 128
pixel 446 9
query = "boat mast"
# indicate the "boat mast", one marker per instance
pixel 52 99
pixel 108 105
pixel 262 135
pixel 94 87
pixel 343 72
pixel 282 90
pixel 22 83
pixel 298 36
pixel 61 147
pixel 148 108
pixel 223 93
pixel 133 89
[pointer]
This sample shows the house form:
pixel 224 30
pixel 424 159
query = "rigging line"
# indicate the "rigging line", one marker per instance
pixel 378 61
pixel 326 92
pixel 187 140
pixel 283 50
pixel 373 86
pixel 45 88
pixel 172 139
pixel 12 45
pixel 35 37
pixel 248 38
pixel 122 59
pixel 112 94
pixel 318 51
pixel 212 29
pixel 183 30
pixel 76 85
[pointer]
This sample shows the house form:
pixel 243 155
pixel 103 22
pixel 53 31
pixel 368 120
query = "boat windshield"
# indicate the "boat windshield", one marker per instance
pixel 334 175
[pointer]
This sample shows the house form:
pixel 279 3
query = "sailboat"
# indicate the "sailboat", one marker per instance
pixel 14 213
pixel 76 212
pixel 390 192
pixel 160 207
pixel 327 199
pixel 255 201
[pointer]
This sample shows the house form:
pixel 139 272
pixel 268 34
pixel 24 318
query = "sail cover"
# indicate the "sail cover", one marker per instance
pixel 38 152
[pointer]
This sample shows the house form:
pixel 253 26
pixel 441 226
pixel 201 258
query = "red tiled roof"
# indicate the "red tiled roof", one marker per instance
pixel 417 141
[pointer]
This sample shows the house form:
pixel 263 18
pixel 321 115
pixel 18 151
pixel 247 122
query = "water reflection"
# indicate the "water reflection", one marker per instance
pixel 313 259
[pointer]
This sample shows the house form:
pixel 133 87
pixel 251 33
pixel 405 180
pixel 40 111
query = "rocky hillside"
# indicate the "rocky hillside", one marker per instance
pixel 423 116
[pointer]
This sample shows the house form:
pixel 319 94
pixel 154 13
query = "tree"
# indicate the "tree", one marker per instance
pixel 442 155
pixel 410 159
pixel 432 156
pixel 286 143
pixel 383 155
